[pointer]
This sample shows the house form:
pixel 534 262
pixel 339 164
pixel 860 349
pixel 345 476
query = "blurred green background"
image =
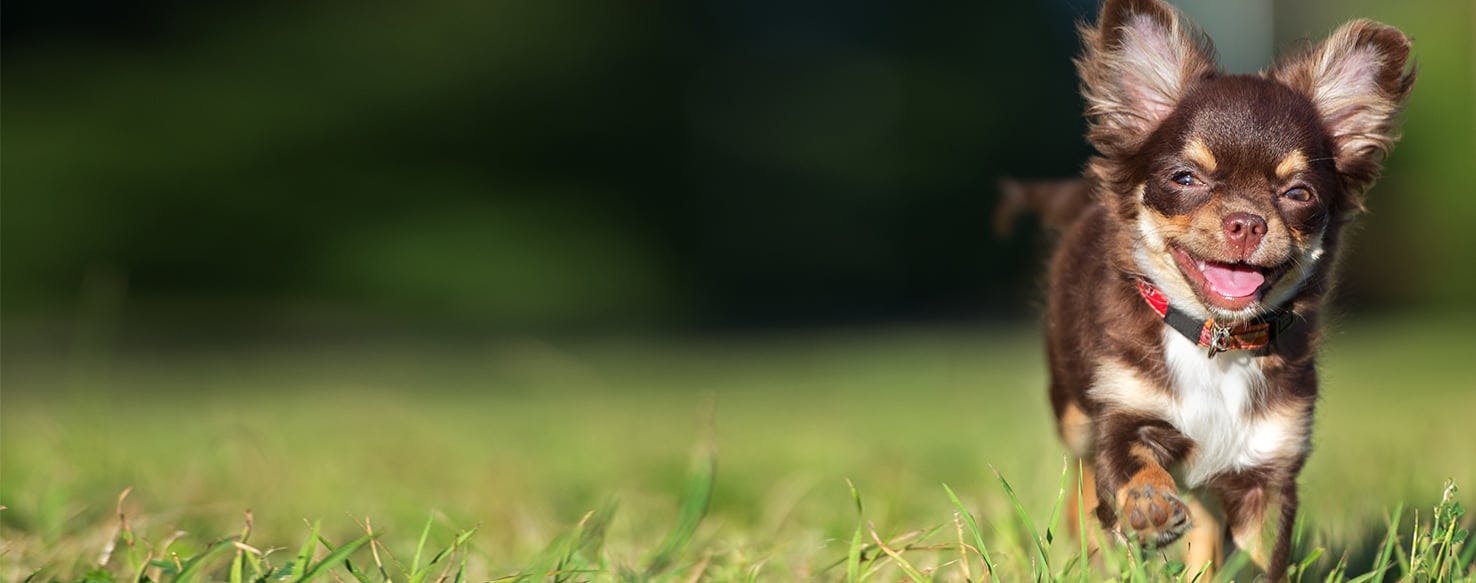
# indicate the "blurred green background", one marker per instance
pixel 277 169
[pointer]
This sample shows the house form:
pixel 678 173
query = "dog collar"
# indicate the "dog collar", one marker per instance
pixel 1209 334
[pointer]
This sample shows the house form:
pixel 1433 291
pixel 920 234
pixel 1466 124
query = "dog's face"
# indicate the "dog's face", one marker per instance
pixel 1236 189
pixel 1232 185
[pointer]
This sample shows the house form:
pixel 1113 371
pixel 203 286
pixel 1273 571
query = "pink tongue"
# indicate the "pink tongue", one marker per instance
pixel 1232 281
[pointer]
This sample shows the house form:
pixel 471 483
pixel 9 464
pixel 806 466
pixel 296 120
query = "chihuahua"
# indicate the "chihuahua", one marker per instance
pixel 1185 292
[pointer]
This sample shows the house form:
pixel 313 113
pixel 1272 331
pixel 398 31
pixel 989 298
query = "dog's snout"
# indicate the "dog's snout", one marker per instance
pixel 1243 231
pixel 1243 225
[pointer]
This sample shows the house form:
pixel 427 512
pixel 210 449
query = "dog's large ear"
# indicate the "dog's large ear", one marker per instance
pixel 1359 79
pixel 1135 66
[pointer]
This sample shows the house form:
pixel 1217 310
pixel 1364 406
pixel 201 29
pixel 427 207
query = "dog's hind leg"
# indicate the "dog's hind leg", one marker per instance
pixel 1206 538
pixel 1249 511
pixel 1076 433
pixel 1082 510
pixel 1286 520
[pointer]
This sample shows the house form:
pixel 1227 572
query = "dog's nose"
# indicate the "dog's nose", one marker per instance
pixel 1243 231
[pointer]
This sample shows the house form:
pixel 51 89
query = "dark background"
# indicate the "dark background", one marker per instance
pixel 271 169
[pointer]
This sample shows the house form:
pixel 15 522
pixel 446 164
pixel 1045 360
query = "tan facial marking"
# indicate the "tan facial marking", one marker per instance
pixel 1195 151
pixel 1293 163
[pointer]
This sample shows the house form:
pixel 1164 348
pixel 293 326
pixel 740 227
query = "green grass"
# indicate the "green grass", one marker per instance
pixel 781 457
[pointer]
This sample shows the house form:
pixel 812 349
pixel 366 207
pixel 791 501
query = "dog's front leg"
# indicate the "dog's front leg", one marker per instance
pixel 1130 473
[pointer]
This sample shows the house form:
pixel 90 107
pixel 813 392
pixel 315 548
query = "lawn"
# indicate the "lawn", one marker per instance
pixel 591 459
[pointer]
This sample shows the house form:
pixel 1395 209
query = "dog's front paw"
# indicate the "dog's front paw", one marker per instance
pixel 1155 515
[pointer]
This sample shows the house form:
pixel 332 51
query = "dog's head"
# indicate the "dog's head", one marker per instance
pixel 1233 187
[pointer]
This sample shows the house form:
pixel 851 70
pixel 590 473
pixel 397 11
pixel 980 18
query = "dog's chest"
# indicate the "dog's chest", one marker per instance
pixel 1215 407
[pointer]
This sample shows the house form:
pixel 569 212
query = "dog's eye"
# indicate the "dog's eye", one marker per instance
pixel 1298 194
pixel 1185 178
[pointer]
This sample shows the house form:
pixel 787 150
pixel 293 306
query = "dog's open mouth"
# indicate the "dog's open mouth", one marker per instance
pixel 1229 286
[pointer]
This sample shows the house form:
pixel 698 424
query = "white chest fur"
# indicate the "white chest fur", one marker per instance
pixel 1214 406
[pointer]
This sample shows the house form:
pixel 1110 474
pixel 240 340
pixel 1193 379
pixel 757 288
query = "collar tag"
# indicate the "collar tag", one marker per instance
pixel 1211 335
pixel 1218 338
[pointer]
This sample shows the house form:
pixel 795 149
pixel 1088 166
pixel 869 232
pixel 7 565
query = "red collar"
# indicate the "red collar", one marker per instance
pixel 1252 335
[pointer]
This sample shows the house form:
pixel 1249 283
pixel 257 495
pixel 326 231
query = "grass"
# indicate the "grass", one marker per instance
pixel 787 457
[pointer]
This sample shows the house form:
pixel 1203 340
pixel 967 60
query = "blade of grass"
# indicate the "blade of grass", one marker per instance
pixel 1050 534
pixel 917 538
pixel 696 496
pixel 334 557
pixel 1233 565
pixel 853 554
pixel 1081 528
pixel 1137 558
pixel 361 576
pixel 973 525
pixel 1299 532
pixel 1448 515
pixel 188 569
pixel 1406 570
pixel 120 530
pixel 374 550
pixel 1044 565
pixel 137 565
pixel 305 556
pixel 565 557
pixel 252 557
pixel 1390 541
pixel 238 565
pixel 1200 573
pixel 1308 561
pixel 258 563
pixel 699 569
pixel 963 547
pixel 592 539
pixel 420 546
pixel 902 563
pixel 1173 569
pixel 546 563
pixel 1468 554
pixel 1339 571
pixel 456 544
pixel 751 575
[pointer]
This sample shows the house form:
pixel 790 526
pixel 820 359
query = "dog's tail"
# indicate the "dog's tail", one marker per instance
pixel 1058 203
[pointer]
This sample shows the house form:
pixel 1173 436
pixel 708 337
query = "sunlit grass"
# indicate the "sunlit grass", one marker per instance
pixel 577 459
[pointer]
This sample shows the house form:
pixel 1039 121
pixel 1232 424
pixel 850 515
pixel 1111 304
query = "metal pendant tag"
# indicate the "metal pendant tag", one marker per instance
pixel 1219 335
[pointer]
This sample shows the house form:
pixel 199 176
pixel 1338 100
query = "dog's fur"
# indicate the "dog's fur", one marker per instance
pixel 1182 150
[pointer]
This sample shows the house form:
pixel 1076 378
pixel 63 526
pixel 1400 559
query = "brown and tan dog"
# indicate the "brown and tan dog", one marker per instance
pixel 1185 293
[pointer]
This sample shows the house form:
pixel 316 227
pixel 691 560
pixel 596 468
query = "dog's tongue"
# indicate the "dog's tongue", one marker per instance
pixel 1232 281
